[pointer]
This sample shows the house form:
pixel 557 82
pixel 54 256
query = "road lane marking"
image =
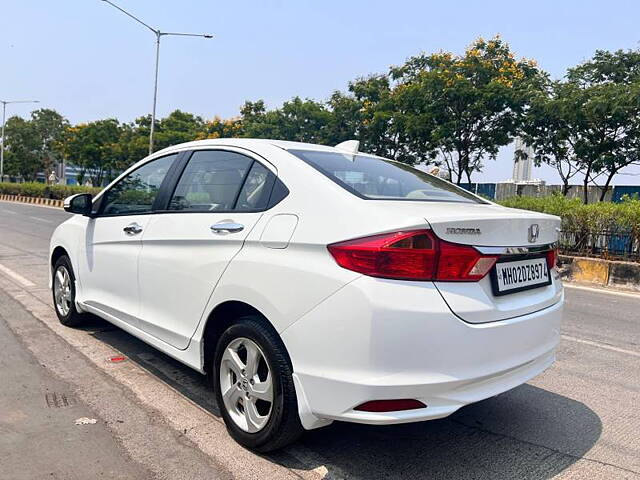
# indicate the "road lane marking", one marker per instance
pixel 11 212
pixel 16 276
pixel 601 345
pixel 40 219
pixel 602 290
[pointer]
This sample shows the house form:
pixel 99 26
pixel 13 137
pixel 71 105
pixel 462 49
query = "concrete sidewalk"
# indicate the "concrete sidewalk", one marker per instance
pixel 38 434
pixel 46 385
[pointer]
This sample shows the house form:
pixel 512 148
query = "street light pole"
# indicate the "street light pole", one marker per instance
pixel 158 35
pixel 4 117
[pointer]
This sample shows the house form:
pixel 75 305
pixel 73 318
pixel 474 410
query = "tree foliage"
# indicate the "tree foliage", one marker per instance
pixel 465 107
pixel 34 145
pixel 438 108
pixel 94 148
pixel 589 123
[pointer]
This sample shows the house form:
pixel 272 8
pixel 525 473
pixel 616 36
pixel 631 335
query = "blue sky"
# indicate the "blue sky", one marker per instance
pixel 89 61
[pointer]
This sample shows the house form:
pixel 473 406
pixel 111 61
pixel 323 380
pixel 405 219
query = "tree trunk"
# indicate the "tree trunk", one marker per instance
pixel 458 177
pixel 603 194
pixel 468 174
pixel 585 191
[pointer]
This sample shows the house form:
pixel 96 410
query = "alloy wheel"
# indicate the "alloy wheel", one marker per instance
pixel 246 384
pixel 62 290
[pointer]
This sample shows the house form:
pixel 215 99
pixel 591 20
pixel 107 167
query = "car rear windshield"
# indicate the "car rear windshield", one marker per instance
pixel 379 179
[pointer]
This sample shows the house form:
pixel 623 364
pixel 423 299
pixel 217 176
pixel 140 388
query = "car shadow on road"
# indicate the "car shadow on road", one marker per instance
pixel 526 433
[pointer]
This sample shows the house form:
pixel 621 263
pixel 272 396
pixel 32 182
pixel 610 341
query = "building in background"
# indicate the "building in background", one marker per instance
pixel 523 165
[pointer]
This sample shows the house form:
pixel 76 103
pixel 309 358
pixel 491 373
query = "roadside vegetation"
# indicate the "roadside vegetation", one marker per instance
pixel 454 111
pixel 594 218
pixel 605 229
pixel 41 190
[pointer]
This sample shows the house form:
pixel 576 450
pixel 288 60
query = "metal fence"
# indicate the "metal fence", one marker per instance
pixel 608 245
pixel 502 191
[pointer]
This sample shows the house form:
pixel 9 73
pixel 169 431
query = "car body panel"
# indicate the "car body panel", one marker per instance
pixel 108 265
pixel 181 262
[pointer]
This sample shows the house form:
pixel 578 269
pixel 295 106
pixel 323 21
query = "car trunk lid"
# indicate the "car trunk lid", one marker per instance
pixel 515 235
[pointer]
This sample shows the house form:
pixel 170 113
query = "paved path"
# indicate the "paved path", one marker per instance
pixel 38 434
pixel 580 419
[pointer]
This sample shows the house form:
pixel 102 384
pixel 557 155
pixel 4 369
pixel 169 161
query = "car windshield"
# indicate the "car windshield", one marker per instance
pixel 379 179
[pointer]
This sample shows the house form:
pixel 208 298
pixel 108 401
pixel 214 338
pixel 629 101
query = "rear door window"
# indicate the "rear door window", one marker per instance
pixel 211 181
pixel 375 178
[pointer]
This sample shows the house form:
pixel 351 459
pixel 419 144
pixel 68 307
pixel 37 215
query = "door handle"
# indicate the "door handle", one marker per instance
pixel 227 227
pixel 132 229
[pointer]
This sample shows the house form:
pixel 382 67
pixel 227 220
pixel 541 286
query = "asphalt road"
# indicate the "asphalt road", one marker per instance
pixel 580 419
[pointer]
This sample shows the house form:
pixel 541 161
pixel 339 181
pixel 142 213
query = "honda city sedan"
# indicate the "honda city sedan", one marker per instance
pixel 314 283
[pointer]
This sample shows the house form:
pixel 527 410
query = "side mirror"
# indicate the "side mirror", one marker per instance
pixel 80 203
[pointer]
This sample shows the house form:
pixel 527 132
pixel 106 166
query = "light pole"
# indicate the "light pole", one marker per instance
pixel 4 115
pixel 159 34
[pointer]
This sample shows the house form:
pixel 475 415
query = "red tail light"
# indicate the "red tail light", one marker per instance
pixel 552 258
pixel 412 255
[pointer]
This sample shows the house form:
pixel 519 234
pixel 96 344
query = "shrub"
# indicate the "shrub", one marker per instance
pixel 592 218
pixel 35 189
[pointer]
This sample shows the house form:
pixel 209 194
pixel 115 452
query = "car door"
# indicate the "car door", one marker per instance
pixel 217 200
pixel 109 263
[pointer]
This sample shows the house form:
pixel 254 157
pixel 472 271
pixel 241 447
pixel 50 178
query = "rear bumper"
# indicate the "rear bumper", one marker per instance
pixel 382 339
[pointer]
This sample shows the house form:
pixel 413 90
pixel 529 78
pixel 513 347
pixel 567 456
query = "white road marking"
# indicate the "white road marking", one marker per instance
pixel 16 276
pixel 602 290
pixel 601 345
pixel 10 212
pixel 40 219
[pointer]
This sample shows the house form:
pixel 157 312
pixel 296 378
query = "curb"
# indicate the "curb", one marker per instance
pixel 603 273
pixel 49 202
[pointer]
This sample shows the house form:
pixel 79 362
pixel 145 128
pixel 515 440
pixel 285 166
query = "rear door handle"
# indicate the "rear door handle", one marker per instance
pixel 132 229
pixel 227 227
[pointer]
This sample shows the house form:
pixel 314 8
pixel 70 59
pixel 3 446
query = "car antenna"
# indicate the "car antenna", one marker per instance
pixel 350 146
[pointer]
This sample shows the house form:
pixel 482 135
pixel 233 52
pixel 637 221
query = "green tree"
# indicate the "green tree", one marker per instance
pixel 381 121
pixel 49 127
pixel 464 107
pixel 22 149
pixel 177 127
pixel 589 123
pixel 297 120
pixel 34 145
pixel 95 148
pixel 548 130
pixel 607 118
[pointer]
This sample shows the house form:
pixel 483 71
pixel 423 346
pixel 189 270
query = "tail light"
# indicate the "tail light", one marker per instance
pixel 412 255
pixel 552 258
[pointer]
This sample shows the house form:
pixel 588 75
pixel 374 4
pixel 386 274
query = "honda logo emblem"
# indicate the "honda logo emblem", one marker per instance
pixel 534 231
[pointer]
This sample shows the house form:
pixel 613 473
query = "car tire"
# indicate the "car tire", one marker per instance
pixel 236 387
pixel 63 289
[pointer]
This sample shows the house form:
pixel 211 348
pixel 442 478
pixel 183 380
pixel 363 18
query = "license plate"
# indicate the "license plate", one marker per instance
pixel 510 277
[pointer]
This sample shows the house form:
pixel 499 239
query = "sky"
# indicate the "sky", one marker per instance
pixel 89 61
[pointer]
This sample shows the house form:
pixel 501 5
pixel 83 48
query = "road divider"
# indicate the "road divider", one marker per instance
pixel 603 273
pixel 49 202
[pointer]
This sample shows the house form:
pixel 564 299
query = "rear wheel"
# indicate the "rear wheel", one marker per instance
pixel 64 293
pixel 254 386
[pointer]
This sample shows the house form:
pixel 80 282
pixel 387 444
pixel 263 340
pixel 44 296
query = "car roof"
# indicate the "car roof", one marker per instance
pixel 248 143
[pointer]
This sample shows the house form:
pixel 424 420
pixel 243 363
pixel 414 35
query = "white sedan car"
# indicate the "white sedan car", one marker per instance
pixel 314 283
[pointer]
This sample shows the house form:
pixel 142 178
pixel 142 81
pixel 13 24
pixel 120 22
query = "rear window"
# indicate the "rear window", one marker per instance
pixel 379 179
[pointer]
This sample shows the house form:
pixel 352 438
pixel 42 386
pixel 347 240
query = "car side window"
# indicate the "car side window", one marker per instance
pixel 136 192
pixel 211 181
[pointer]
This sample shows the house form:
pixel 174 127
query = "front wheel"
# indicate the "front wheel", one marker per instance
pixel 254 386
